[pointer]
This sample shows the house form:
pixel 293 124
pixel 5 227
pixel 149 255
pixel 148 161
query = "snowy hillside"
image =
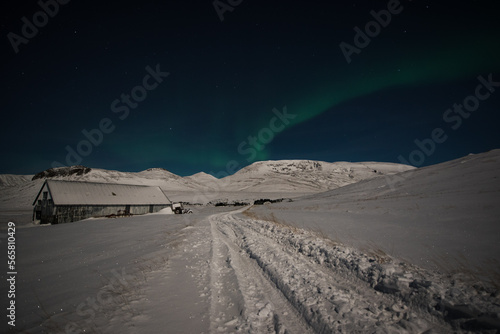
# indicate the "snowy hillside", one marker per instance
pixel 443 217
pixel 10 180
pixel 305 175
pixel 289 178
pixel 19 197
pixel 203 178
pixel 154 176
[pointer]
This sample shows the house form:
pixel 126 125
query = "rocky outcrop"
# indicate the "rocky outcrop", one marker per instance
pixel 62 172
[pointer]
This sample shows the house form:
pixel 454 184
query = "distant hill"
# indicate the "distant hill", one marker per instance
pixel 153 176
pixel 203 178
pixel 9 180
pixel 285 176
pixel 305 175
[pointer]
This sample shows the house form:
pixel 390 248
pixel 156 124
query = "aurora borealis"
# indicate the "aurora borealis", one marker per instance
pixel 226 78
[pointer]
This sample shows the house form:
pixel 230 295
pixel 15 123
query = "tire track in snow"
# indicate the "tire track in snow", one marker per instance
pixel 227 303
pixel 243 299
pixel 313 293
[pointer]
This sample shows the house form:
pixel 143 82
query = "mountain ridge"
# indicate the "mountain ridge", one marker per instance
pixel 287 177
pixel 306 175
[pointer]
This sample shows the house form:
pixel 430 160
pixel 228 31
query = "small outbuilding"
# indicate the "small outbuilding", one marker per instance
pixel 68 201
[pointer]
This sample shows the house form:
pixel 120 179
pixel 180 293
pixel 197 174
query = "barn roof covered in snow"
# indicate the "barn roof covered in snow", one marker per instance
pixel 89 193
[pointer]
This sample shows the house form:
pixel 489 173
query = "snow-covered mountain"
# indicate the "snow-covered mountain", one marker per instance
pixel 286 176
pixel 305 175
pixel 204 178
pixel 153 176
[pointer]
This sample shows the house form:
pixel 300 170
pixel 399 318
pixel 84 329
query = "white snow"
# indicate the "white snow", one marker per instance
pixel 9 180
pixel 218 271
pixel 408 253
pixel 165 211
pixel 88 274
pixel 202 178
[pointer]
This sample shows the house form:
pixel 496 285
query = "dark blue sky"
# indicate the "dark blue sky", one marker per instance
pixel 270 81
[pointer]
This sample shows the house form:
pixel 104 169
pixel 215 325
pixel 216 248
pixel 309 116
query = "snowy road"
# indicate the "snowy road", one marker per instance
pixel 255 276
pixel 268 279
pixel 243 298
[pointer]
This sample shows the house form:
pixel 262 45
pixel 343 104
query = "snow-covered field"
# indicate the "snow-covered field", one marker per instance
pixel 88 275
pixel 414 252
pixel 223 272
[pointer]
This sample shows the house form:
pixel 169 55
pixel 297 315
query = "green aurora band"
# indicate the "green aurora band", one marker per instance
pixel 445 64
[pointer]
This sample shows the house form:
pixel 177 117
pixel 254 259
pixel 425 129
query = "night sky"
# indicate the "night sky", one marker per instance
pixel 133 85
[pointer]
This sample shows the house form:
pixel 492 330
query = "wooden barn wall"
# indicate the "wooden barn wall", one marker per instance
pixel 47 211
pixel 72 213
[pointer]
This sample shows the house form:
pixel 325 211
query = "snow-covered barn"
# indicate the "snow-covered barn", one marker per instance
pixel 68 201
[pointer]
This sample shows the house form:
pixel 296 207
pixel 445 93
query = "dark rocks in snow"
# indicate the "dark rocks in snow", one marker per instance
pixel 462 311
pixel 388 286
pixel 62 172
pixel 227 203
pixel 267 201
pixel 418 284
pixel 239 204
pixel 484 322
pixel 263 201
pixel 469 317
pixel 156 169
